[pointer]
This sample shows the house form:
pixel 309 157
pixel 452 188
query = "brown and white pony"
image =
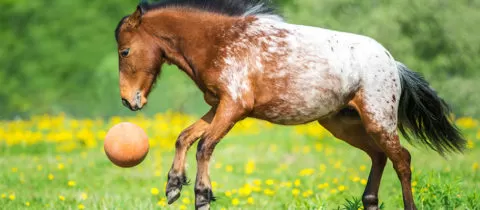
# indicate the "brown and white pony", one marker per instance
pixel 248 62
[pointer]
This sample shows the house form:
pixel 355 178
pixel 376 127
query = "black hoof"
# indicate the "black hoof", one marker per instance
pixel 203 197
pixel 174 187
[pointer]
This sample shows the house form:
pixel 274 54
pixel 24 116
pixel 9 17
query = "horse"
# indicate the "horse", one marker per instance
pixel 249 62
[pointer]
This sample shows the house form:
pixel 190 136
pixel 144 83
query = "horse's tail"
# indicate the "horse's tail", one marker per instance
pixel 424 115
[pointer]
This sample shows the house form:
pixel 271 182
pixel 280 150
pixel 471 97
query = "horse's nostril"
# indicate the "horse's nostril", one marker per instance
pixel 125 103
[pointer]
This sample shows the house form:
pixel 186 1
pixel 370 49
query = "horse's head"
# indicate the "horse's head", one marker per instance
pixel 140 60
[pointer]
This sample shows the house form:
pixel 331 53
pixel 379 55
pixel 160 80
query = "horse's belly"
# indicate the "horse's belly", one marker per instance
pixel 301 107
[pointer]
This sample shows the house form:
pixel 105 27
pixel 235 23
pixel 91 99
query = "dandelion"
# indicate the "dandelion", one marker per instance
pixel 333 191
pixel 322 186
pixel 250 200
pixel 228 193
pixel 475 166
pixel 154 191
pixel 297 183
pixel 161 203
pixel 214 184
pixel 235 201
pixel 363 168
pixel 307 172
pixel 12 197
pixel 356 179
pixel 257 182
pixel 186 201
pixel 341 188
pixel 229 168
pixel 363 182
pixel 3 195
pixel 249 167
pixel 182 207
pixel 81 206
pixel 60 166
pixel 269 182
pixel 71 183
pixel 295 192
pixel 14 170
pixel 268 192
pixel 307 193
pixel 27 203
pixel 61 197
pixel 39 167
pixel 84 196
pixel 414 183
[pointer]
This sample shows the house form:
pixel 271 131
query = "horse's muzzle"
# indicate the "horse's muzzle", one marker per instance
pixel 137 102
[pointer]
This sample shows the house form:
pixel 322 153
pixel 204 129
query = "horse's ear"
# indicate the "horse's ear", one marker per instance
pixel 135 19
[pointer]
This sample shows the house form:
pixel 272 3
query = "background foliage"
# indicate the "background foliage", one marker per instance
pixel 60 56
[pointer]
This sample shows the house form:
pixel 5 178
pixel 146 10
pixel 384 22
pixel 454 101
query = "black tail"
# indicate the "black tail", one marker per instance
pixel 425 115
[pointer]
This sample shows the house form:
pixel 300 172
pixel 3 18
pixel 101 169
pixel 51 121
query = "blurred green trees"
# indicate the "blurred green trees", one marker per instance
pixel 60 56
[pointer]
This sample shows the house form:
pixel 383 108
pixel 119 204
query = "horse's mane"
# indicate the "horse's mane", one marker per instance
pixel 225 7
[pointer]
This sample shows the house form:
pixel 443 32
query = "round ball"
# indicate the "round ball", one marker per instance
pixel 126 144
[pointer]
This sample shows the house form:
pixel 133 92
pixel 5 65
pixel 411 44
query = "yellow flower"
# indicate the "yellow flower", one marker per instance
pixel 307 172
pixel 322 186
pixel 414 183
pixel 154 191
pixel 81 206
pixel 475 166
pixel 182 207
pixel 161 203
pixel 27 203
pixel 218 165
pixel 356 179
pixel 214 184
pixel 186 201
pixel 363 181
pixel 4 195
pixel 257 182
pixel 363 168
pixel 295 192
pixel 39 167
pixel 269 182
pixel 60 166
pixel 268 192
pixel 307 193
pixel 249 167
pixel 228 193
pixel 341 188
pixel 250 200
pixel 61 197
pixel 235 201
pixel 333 191
pixel 229 168
pixel 71 183
pixel 14 170
pixel 297 182
pixel 12 197
pixel 50 177
pixel 84 196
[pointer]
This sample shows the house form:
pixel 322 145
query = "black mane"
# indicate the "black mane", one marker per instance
pixel 225 7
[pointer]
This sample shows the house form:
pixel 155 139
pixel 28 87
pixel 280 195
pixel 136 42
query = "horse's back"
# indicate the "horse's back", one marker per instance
pixel 307 72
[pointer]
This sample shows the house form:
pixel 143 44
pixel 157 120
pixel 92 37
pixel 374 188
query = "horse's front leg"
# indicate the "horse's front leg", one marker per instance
pixel 227 114
pixel 176 175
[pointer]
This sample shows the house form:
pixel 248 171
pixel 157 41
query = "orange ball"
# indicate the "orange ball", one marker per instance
pixel 126 144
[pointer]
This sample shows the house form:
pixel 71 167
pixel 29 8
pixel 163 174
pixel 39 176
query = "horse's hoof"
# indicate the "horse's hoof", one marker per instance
pixel 173 195
pixel 204 207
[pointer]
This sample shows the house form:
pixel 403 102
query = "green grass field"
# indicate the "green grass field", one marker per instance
pixel 274 168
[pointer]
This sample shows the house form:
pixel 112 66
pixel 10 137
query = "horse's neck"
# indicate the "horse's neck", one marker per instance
pixel 199 35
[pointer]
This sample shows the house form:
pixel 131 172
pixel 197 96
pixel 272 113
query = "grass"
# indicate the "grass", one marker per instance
pixel 277 168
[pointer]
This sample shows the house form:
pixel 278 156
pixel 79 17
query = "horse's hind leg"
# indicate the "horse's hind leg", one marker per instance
pixel 351 130
pixel 378 112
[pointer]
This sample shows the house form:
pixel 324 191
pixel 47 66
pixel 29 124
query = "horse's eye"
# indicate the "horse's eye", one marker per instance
pixel 125 52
